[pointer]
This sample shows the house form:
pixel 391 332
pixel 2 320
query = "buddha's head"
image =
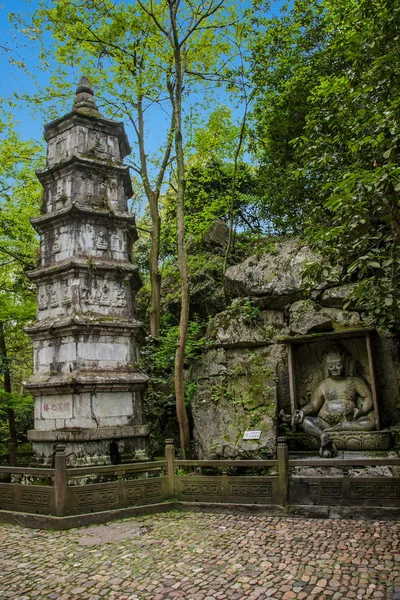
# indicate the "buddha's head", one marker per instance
pixel 335 363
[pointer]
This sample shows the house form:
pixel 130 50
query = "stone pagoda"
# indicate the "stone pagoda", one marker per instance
pixel 86 383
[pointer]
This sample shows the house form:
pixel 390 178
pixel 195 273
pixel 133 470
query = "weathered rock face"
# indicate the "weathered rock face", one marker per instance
pixel 242 381
pixel 336 297
pixel 238 381
pixel 87 391
pixel 304 319
pixel 276 278
pixel 236 328
pixel 239 392
pixel 216 238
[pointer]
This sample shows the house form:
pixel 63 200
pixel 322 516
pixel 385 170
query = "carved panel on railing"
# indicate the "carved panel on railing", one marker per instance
pixel 251 489
pixel 34 498
pixel 326 490
pixel 113 495
pixel 26 498
pixel 374 490
pixel 362 491
pixel 94 497
pixel 199 486
pixel 244 490
pixel 6 495
pixel 135 491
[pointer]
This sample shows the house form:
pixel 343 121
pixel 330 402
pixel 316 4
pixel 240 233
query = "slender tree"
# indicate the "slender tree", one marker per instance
pixel 181 26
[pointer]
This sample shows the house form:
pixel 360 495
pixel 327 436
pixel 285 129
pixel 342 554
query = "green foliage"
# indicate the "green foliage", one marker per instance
pixel 333 71
pixel 20 196
pixel 22 406
pixel 287 56
pixel 208 199
pixel 244 309
pixel 158 354
pixel 157 359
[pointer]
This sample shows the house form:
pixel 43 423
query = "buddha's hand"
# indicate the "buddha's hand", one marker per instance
pixel 298 417
pixel 356 413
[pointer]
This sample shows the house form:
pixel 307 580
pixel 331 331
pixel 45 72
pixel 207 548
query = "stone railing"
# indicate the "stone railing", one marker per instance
pixel 78 494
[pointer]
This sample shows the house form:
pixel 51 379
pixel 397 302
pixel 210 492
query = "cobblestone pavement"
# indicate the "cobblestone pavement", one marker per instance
pixel 203 557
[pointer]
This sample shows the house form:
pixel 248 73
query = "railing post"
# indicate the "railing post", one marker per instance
pixel 170 457
pixel 224 483
pixel 60 480
pixel 12 451
pixel 283 470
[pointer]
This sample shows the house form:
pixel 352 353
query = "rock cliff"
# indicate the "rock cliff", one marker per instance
pixel 241 381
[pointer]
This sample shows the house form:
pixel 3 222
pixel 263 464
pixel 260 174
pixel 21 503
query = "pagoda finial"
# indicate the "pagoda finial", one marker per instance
pixel 84 99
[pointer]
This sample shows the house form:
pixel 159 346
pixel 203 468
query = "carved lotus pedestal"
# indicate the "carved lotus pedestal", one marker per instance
pixel 362 440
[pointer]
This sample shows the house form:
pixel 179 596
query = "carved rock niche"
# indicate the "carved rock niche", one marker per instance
pixel 307 369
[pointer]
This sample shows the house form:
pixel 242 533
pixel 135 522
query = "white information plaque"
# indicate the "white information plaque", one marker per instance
pixel 251 435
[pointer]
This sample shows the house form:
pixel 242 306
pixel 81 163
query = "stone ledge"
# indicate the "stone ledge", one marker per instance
pixel 108 381
pixel 77 210
pixel 80 322
pixel 36 521
pixel 88 435
pixel 84 161
pixel 84 263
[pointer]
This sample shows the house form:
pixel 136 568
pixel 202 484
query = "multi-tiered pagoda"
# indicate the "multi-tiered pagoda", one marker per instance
pixel 86 383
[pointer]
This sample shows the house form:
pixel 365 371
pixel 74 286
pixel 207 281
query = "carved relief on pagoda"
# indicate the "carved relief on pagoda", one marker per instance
pixel 92 294
pixel 83 238
pixel 106 293
pixel 98 193
pixel 85 185
pixel 78 140
pixel 57 193
pixel 56 245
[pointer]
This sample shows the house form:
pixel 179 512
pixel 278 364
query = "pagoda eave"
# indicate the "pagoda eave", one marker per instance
pixel 46 174
pixel 80 381
pixel 75 210
pixel 125 269
pixel 83 323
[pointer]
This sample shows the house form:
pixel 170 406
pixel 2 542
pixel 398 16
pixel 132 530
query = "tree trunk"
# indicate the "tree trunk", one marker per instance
pixel 7 384
pixel 233 193
pixel 153 195
pixel 155 276
pixel 176 97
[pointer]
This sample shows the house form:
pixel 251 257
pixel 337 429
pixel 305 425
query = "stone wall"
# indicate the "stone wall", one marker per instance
pixel 241 381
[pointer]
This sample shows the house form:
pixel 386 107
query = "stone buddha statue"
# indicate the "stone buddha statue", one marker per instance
pixel 339 403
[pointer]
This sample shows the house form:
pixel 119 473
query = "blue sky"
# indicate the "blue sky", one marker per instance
pixel 14 80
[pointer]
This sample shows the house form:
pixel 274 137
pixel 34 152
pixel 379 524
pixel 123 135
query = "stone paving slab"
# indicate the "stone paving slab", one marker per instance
pixel 192 556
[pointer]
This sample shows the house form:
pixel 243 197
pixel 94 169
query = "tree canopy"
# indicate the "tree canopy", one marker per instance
pixel 327 131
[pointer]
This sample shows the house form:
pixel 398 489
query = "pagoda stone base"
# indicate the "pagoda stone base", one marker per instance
pixel 91 446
